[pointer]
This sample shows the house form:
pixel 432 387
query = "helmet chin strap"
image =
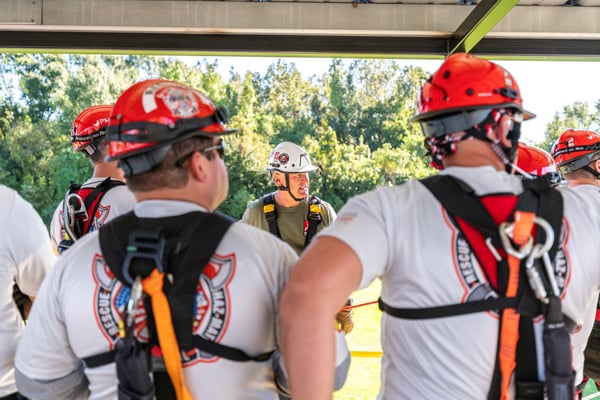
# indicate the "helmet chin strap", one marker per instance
pixel 592 171
pixel 507 155
pixel 287 188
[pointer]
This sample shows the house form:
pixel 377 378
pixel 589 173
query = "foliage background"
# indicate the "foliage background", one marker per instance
pixel 354 120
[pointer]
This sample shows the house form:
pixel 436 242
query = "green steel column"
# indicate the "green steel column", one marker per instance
pixel 478 23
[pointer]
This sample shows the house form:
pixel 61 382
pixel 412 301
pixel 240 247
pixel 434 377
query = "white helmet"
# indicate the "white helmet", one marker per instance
pixel 290 158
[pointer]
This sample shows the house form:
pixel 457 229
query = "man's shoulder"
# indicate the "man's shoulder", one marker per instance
pixel 320 201
pixel 258 203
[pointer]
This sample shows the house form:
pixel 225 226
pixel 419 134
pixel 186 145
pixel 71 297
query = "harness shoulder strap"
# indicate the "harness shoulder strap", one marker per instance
pixel 314 218
pixel 93 199
pixel 182 259
pixel 459 199
pixel 270 212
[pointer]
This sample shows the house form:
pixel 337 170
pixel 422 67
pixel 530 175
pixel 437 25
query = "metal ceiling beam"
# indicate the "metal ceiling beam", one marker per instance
pixel 478 23
pixel 380 28
pixel 292 45
pixel 213 43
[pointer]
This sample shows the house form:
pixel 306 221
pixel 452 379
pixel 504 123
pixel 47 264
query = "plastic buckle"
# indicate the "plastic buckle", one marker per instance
pixel 148 245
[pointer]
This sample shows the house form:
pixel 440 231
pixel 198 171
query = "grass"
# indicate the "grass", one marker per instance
pixel 363 378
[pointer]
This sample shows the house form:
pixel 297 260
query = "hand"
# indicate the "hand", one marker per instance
pixel 345 319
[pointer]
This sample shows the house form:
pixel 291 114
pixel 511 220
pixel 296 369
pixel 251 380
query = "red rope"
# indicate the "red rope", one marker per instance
pixel 359 305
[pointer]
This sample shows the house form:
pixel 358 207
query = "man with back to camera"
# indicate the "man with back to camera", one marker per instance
pixel 172 282
pixel 577 153
pixel 469 299
pixel 99 199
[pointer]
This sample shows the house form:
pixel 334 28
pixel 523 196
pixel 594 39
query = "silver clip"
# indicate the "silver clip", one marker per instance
pixel 492 248
pixel 533 274
pixel 73 213
pixel 550 273
pixel 506 233
pixel 134 299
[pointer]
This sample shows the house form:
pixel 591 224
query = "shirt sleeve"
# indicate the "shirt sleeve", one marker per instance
pixel 55 359
pixel 363 229
pixel 30 246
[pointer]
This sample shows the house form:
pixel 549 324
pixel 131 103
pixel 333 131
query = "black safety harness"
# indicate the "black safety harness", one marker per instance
pixel 180 246
pixel 314 216
pixel 461 202
pixel 79 208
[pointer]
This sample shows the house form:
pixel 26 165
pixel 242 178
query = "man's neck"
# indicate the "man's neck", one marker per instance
pixel 284 199
pixel 106 170
pixel 583 181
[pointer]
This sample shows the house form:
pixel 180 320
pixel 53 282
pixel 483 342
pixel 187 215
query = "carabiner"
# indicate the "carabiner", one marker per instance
pixel 134 298
pixel 506 232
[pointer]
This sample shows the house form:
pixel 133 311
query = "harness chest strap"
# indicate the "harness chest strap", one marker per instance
pixel 313 217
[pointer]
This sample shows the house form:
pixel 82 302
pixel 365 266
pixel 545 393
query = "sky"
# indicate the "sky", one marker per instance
pixel 546 86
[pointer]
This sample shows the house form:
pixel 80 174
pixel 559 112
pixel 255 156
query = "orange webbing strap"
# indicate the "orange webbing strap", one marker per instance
pixel 509 333
pixel 153 285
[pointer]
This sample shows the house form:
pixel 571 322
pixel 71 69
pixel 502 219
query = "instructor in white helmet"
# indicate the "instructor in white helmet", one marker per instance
pixel 291 213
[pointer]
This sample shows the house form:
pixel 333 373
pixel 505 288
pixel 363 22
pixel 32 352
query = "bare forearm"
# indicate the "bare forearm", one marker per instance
pixel 308 337
pixel 319 285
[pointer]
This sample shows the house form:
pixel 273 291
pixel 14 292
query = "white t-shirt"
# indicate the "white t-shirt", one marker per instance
pixel 403 237
pixel 116 201
pixel 25 258
pixel 80 303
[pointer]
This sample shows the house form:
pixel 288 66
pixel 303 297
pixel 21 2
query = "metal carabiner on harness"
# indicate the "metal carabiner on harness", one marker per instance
pixel 534 252
pixel 506 233
pixel 126 323
pixel 73 209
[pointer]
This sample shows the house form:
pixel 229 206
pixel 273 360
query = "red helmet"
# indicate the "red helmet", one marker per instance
pixel 152 115
pixel 535 161
pixel 466 83
pixel 575 149
pixel 89 126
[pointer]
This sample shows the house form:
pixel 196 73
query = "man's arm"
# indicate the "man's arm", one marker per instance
pixel 325 276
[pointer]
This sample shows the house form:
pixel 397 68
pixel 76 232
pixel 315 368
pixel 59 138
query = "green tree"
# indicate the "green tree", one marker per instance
pixel 576 116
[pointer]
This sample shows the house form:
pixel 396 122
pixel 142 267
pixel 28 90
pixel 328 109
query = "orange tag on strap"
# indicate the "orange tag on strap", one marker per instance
pixel 509 334
pixel 153 285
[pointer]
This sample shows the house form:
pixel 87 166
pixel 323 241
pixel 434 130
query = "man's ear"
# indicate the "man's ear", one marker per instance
pixel 197 167
pixel 501 131
pixel 596 165
pixel 277 178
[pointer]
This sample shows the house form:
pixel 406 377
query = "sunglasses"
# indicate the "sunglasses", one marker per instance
pixel 219 148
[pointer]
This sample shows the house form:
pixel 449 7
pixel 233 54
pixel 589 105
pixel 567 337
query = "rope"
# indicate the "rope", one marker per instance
pixel 358 305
